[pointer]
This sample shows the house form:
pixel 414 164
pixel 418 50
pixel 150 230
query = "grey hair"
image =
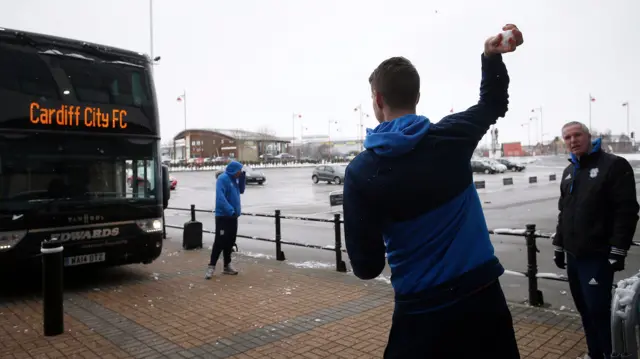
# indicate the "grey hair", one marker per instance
pixel 583 127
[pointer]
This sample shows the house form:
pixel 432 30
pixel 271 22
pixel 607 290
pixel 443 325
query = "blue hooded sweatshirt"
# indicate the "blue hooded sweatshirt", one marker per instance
pixel 411 195
pixel 228 191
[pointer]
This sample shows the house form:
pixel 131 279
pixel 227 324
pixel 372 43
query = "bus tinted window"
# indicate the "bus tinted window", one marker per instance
pixel 26 72
pixel 35 168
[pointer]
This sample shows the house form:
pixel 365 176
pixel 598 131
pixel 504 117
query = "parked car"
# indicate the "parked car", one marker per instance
pixel 511 166
pixel 482 167
pixel 329 173
pixel 173 182
pixel 252 176
pixel 499 167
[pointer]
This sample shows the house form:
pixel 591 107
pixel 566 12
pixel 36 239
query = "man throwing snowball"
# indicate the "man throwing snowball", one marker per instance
pixel 411 194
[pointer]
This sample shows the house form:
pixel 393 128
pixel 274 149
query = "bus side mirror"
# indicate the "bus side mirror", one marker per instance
pixel 166 187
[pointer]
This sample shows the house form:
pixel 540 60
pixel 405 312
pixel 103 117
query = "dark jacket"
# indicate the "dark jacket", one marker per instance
pixel 411 193
pixel 598 205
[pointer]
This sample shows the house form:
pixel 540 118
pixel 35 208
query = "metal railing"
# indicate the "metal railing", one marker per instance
pixel 337 222
pixel 530 234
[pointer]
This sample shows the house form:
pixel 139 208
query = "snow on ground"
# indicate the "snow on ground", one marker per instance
pixel 630 156
pixel 312 264
pixel 261 166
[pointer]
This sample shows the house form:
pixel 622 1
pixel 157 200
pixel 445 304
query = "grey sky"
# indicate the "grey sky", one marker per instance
pixel 253 63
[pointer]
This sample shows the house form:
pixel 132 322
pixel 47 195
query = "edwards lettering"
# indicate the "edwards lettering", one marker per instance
pixel 77 116
pixel 89 234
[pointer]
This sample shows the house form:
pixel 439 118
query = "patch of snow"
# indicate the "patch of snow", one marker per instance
pixel 552 276
pixel 256 255
pixel 511 231
pixel 630 156
pixel 510 272
pixel 384 278
pixel 311 264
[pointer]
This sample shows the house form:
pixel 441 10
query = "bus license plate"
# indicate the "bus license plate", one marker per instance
pixel 84 259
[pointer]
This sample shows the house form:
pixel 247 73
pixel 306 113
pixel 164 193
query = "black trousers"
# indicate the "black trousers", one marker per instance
pixel 225 239
pixel 479 326
pixel 591 282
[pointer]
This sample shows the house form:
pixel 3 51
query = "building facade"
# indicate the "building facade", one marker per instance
pixel 218 143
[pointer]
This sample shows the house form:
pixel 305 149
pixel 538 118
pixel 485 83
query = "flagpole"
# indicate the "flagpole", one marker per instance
pixel 590 101
pixel 293 128
pixel 628 129
pixel 184 99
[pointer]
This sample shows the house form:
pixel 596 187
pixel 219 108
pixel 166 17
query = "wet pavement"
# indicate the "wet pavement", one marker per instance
pixel 292 191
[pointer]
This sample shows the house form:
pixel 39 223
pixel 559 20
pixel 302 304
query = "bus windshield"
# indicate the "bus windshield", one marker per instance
pixel 38 168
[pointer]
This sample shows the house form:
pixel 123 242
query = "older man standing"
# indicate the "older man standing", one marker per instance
pixel 597 221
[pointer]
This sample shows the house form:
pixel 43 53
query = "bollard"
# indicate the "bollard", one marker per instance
pixel 52 287
pixel 533 179
pixel 507 181
pixel 479 184
pixel 341 266
pixel 535 295
pixel 279 253
pixel 552 177
pixel 164 228
pixel 192 232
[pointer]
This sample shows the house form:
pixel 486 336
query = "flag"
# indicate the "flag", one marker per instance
pixel 625 104
pixel 591 98
pixel 179 99
pixel 451 111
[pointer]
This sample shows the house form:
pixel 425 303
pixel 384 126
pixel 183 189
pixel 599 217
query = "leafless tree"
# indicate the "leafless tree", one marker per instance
pixel 266 132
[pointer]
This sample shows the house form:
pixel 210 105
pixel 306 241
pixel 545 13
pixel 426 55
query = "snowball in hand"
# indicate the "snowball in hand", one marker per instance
pixel 506 35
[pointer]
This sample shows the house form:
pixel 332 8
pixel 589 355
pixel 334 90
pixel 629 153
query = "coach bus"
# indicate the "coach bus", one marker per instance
pixel 79 152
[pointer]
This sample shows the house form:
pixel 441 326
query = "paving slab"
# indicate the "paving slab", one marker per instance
pixel 271 310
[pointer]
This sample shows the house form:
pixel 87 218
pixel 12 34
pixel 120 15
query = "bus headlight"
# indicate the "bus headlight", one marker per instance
pixel 8 240
pixel 150 225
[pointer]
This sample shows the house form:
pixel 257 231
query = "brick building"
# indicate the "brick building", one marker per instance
pixel 239 144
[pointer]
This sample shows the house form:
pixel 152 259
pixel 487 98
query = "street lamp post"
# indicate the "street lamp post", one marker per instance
pixel 529 132
pixel 183 98
pixel 330 144
pixel 362 116
pixel 539 109
pixel 626 104
pixel 151 29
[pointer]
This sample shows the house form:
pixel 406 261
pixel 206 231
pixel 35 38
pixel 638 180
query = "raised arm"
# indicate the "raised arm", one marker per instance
pixel 471 125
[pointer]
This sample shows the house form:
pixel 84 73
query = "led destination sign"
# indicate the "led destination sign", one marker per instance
pixel 77 116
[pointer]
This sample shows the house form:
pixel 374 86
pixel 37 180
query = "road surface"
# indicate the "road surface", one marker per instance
pixel 291 191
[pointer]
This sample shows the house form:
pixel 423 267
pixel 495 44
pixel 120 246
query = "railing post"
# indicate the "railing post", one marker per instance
pixel 193 213
pixel 535 295
pixel 340 264
pixel 279 252
pixel 52 287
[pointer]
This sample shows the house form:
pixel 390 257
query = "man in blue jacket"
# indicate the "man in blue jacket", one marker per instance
pixel 411 193
pixel 229 186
